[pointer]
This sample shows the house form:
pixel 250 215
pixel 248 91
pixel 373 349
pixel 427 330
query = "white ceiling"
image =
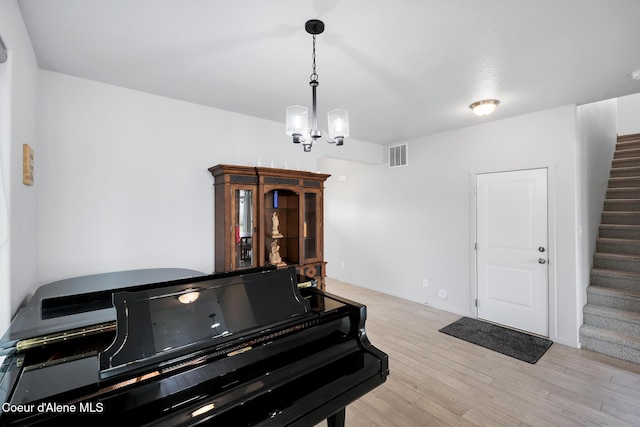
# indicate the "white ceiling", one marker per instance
pixel 403 68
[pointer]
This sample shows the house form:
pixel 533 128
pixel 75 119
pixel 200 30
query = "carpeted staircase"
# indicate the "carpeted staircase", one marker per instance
pixel 612 313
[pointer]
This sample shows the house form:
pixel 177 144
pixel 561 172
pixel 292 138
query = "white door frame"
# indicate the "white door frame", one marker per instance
pixel 551 226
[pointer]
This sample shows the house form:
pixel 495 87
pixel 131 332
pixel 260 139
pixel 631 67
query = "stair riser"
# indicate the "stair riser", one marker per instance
pixel 620 325
pixel 620 218
pixel 609 281
pixel 625 162
pixel 624 172
pixel 619 303
pixel 623 182
pixel 620 233
pixel 624 193
pixel 622 205
pixel 615 350
pixel 619 264
pixel 626 152
pixel 624 248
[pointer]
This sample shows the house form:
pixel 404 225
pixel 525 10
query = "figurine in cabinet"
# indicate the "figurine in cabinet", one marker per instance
pixel 275 232
pixel 274 256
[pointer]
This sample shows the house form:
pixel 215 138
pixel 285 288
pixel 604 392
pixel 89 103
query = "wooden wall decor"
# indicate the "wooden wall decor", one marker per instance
pixel 28 166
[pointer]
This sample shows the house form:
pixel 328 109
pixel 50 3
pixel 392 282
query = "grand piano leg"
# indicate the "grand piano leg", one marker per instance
pixel 337 419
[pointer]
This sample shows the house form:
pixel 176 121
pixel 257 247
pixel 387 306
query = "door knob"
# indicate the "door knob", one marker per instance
pixel 541 249
pixel 542 261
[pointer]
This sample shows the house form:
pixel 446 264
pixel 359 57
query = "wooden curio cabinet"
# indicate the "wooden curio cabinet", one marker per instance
pixel 235 218
pixel 248 200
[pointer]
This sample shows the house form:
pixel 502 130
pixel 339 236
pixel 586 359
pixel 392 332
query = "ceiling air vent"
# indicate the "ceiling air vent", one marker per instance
pixel 398 155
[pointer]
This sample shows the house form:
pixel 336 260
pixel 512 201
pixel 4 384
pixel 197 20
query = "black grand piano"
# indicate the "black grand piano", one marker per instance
pixel 169 347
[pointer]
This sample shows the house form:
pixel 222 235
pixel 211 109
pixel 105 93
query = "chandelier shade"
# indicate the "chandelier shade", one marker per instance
pixel 297 122
pixel 297 116
pixel 338 125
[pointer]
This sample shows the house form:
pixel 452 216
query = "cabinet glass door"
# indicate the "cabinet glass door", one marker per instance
pixel 311 225
pixel 244 253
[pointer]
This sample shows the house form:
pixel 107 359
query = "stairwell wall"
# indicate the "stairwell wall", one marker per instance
pixel 597 127
pixel 629 114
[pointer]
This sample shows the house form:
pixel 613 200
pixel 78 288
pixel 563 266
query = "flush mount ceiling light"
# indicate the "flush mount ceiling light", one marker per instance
pixel 484 107
pixel 635 75
pixel 297 115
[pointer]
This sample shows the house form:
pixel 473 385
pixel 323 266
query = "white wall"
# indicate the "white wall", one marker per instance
pixel 21 249
pixel 629 114
pixel 596 144
pixel 123 175
pixel 393 227
pixel 5 193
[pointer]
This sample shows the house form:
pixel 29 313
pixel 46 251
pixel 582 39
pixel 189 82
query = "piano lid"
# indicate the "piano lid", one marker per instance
pixel 79 302
pixel 158 324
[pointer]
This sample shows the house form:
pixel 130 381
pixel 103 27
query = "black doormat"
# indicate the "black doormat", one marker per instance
pixel 525 347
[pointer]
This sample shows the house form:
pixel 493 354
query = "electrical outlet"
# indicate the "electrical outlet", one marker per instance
pixel 425 283
pixel 342 264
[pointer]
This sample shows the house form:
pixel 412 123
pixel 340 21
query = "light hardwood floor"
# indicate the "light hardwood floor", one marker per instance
pixel 438 380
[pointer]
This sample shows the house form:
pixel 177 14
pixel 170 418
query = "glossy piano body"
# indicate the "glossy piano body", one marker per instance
pixel 237 349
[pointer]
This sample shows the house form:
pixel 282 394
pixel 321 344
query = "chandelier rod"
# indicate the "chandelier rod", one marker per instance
pixel 315 132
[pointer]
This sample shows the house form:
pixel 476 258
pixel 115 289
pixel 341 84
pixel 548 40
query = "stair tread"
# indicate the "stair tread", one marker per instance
pixel 620 183
pixel 617 240
pixel 621 213
pixel 621 226
pixel 632 171
pixel 619 193
pixel 628 137
pixel 629 180
pixel 612 313
pixel 627 150
pixel 627 158
pixel 628 210
pixel 609 272
pixel 609 335
pixel 623 293
pixel 628 147
pixel 611 245
pixel 616 256
pixel 620 196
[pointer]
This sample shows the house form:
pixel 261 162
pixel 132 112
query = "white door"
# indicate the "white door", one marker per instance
pixel 512 254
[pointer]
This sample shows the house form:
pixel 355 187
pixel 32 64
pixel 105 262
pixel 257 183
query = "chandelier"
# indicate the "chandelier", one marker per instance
pixel 297 115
